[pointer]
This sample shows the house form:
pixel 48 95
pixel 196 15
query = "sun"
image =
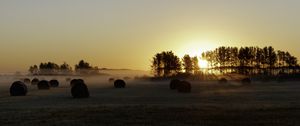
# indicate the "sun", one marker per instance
pixel 203 63
pixel 194 48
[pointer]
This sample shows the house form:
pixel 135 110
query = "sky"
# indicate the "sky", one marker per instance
pixel 127 33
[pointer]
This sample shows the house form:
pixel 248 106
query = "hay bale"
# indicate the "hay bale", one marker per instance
pixel 35 81
pixel 81 80
pixel 27 81
pixel 43 85
pixel 119 83
pixel 184 87
pixel 174 84
pixel 18 88
pixel 246 81
pixel 80 90
pixel 75 81
pixel 111 80
pixel 54 83
pixel 223 81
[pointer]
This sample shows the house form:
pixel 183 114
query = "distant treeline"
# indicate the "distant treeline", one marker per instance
pixel 251 60
pixel 243 60
pixel 167 64
pixel 51 68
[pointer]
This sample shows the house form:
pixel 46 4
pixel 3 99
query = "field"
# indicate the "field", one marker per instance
pixel 153 103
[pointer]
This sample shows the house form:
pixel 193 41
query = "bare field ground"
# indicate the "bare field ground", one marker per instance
pixel 153 103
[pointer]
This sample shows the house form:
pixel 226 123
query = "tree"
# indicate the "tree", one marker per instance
pixel 33 69
pixel 290 60
pixel 85 68
pixel 234 52
pixel 221 55
pixel 210 57
pixel 65 68
pixel 166 64
pixel 272 57
pixel 245 56
pixel 83 65
pixel 157 65
pixel 250 60
pixel 195 62
pixel 188 64
pixel 259 57
pixel 48 68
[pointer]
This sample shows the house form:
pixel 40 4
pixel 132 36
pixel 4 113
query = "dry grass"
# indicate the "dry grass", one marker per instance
pixel 153 103
pixel 151 115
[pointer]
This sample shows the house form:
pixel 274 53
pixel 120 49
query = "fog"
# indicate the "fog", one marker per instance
pixel 146 92
pixel 143 99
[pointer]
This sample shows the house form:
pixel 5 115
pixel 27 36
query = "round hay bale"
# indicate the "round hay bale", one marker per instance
pixel 119 83
pixel 246 81
pixel 68 79
pixel 111 80
pixel 174 84
pixel 80 90
pixel 18 88
pixel 184 87
pixel 54 83
pixel 35 81
pixel 75 81
pixel 81 80
pixel 43 85
pixel 223 81
pixel 27 81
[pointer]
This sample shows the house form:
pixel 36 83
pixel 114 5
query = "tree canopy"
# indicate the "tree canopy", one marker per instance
pixel 165 64
pixel 51 68
pixel 243 60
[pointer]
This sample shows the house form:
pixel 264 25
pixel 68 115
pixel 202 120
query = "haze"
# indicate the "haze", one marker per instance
pixel 127 33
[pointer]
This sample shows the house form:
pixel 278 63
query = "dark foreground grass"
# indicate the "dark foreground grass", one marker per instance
pixel 150 115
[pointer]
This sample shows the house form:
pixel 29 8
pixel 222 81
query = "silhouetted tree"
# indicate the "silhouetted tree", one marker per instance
pixel 272 57
pixel 210 57
pixel 65 67
pixel 259 57
pixel 290 60
pixel 233 56
pixel 48 68
pixel 166 64
pixel 85 68
pixel 33 69
pixel 157 65
pixel 83 65
pixel 221 55
pixel 187 64
pixel 250 60
pixel 245 56
pixel 196 67
pixel 281 58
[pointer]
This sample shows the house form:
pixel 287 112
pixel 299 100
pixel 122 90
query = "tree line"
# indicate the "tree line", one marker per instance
pixel 167 64
pixel 243 60
pixel 251 60
pixel 51 68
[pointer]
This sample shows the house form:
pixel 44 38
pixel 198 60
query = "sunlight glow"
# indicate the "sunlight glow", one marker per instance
pixel 195 47
pixel 203 63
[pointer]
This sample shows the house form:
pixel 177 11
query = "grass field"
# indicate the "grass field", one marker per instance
pixel 153 103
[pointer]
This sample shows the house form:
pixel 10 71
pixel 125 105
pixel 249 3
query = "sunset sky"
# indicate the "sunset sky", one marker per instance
pixel 127 33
